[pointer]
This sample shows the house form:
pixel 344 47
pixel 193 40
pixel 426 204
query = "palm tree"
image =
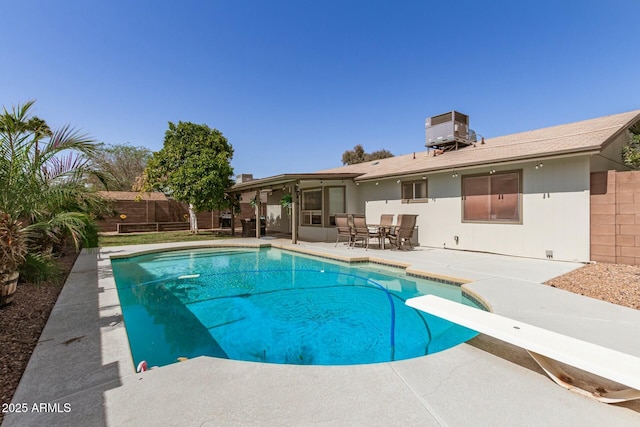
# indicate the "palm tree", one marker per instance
pixel 42 181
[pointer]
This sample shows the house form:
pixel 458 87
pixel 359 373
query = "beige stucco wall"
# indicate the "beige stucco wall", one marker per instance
pixel 555 212
pixel 277 217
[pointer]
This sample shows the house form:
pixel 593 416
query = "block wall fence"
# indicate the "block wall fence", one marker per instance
pixel 615 217
pixel 163 211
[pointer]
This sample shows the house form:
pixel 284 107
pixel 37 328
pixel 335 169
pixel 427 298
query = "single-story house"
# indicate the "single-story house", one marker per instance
pixel 526 194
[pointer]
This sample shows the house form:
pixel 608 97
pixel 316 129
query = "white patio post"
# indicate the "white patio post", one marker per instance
pixel 294 214
pixel 258 206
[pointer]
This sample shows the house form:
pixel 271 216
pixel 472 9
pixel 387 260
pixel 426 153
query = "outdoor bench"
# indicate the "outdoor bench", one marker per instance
pixel 140 227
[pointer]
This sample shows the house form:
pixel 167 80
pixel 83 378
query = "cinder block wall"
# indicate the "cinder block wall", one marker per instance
pixel 151 211
pixel 615 217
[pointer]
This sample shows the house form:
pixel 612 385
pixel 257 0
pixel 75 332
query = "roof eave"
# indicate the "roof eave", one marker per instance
pixel 623 129
pixel 468 165
pixel 277 180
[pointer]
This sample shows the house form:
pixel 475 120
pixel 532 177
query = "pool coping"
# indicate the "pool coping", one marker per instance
pixel 113 394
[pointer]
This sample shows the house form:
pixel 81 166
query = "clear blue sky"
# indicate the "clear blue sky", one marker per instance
pixel 294 83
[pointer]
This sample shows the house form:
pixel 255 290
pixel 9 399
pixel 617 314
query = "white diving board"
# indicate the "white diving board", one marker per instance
pixel 546 348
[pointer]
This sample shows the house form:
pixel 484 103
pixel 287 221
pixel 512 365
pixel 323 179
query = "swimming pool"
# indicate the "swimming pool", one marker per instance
pixel 276 306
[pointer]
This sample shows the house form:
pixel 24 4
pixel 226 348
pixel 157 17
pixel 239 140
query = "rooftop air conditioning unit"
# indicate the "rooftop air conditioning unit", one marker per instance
pixel 447 131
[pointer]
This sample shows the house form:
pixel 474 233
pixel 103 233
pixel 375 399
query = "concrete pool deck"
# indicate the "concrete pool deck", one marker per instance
pixel 82 373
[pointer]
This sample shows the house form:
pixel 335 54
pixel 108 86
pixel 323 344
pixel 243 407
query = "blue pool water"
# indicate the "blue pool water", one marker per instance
pixel 276 306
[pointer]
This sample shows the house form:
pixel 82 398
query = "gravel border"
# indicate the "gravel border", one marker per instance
pixel 614 283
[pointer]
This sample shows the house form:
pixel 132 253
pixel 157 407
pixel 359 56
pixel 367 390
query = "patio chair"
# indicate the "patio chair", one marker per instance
pixel 403 231
pixel 247 228
pixel 344 229
pixel 381 230
pixel 360 230
pixel 386 220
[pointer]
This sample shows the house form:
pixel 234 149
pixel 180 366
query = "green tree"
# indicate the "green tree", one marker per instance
pixel 193 167
pixel 380 154
pixel 358 155
pixel 351 157
pixel 631 151
pixel 119 167
pixel 42 183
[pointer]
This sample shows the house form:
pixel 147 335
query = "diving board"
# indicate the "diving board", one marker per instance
pixel 546 348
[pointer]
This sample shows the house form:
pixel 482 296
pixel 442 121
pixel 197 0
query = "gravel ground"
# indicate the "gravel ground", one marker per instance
pixel 21 322
pixel 615 283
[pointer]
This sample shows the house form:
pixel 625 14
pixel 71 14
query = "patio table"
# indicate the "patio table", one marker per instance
pixel 379 231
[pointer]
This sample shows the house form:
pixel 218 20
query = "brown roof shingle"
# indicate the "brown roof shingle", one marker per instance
pixel 584 136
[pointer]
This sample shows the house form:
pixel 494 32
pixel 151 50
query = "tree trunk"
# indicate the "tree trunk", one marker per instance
pixel 193 220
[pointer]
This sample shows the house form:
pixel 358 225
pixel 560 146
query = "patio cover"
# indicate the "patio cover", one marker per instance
pixel 287 180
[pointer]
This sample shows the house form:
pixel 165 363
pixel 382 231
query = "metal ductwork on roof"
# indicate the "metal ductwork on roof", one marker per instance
pixel 449 131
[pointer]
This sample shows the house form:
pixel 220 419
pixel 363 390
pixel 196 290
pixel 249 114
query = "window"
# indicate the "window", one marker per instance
pixel 414 191
pixel 320 205
pixel 492 198
pixel 312 207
